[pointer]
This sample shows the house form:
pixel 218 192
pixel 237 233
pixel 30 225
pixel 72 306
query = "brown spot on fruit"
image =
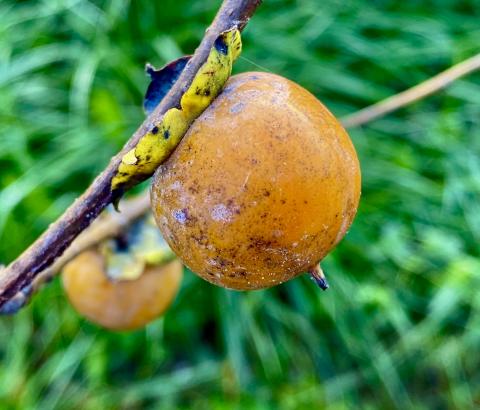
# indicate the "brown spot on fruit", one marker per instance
pixel 311 174
pixel 120 305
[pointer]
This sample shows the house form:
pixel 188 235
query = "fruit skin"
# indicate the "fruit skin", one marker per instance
pixel 264 184
pixel 120 305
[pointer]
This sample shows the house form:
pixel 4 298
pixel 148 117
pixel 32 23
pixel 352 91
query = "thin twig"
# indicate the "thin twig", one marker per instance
pixel 45 250
pixel 413 94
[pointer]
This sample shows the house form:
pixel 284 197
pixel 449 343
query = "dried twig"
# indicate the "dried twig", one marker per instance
pixel 413 94
pixel 45 250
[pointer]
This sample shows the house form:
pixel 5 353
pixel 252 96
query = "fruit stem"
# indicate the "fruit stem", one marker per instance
pixel 318 276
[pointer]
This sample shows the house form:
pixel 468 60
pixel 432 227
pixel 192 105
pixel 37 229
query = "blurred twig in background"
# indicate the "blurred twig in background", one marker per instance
pixel 422 90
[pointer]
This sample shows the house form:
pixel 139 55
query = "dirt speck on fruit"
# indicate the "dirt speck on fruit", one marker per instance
pixel 238 107
pixel 221 213
pixel 181 215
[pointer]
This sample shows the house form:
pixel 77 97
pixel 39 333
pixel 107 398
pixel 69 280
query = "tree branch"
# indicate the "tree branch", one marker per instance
pixel 53 242
pixel 110 226
pixel 413 94
pixel 106 226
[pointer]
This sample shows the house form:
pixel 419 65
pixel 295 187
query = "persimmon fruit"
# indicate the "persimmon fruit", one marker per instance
pixel 120 304
pixel 261 188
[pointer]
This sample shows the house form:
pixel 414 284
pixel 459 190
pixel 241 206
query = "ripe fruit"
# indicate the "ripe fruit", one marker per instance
pixel 120 304
pixel 264 184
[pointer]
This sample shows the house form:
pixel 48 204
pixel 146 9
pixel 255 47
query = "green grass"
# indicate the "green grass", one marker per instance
pixel 400 326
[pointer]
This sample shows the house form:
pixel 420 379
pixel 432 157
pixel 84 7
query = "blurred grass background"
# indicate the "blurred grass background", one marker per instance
pixel 400 326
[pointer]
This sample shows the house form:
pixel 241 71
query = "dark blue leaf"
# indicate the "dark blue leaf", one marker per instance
pixel 162 80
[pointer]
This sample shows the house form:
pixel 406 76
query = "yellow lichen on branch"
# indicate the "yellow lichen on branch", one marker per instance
pixel 141 161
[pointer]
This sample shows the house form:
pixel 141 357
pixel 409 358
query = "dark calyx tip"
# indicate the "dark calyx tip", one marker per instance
pixel 319 277
pixel 321 282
